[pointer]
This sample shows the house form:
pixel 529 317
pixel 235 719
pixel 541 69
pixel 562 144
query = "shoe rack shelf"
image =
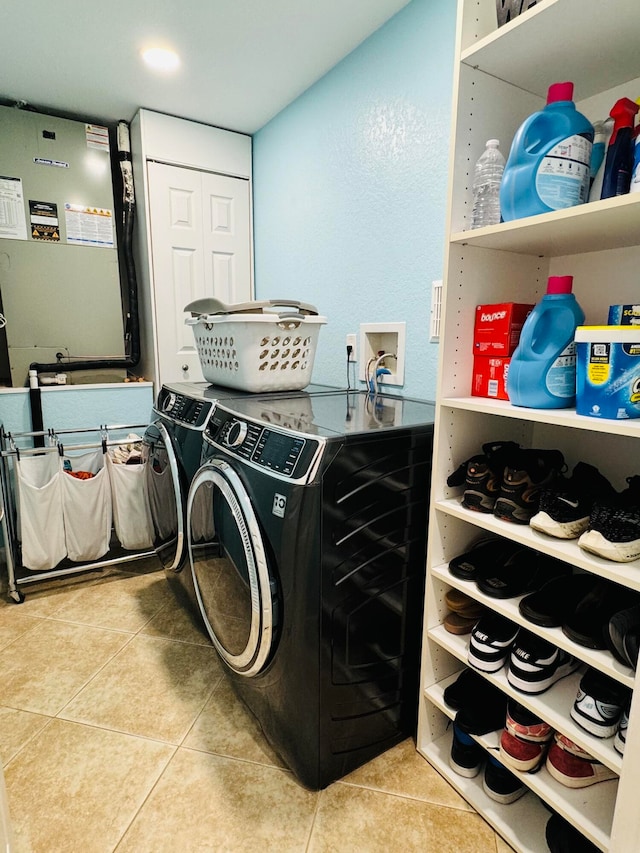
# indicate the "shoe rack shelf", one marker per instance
pixel 508 607
pixel 627 574
pixel 502 76
pixel 580 804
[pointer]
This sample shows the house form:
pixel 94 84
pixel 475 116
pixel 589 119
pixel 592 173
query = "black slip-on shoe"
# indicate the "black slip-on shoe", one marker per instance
pixel 523 571
pixel 482 557
pixel 556 600
pixel 589 622
pixel 620 624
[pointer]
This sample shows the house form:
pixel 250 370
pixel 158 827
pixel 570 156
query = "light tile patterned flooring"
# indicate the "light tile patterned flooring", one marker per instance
pixel 119 732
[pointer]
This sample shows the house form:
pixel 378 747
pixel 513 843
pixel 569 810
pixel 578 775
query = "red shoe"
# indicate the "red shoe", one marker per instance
pixel 575 769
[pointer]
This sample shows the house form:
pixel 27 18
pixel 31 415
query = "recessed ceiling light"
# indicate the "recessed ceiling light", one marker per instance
pixel 161 59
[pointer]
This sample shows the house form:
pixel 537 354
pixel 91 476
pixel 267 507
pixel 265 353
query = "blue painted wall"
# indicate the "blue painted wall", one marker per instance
pixel 77 406
pixel 350 186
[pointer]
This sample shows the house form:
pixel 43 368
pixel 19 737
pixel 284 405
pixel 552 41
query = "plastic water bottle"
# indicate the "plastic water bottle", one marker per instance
pixel 486 186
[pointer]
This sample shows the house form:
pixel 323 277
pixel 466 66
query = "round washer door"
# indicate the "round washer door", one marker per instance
pixel 238 598
pixel 167 495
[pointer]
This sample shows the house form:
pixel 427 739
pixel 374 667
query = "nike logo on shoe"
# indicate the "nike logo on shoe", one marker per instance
pixel 573 504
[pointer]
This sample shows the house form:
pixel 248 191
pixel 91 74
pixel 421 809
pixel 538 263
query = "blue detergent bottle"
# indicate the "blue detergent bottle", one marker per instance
pixel 549 165
pixel 542 372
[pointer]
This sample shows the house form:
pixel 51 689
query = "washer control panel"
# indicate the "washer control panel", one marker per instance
pixel 183 409
pixel 281 452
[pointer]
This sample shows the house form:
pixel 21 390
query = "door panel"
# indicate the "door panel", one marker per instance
pixel 236 593
pixel 201 246
pixel 226 233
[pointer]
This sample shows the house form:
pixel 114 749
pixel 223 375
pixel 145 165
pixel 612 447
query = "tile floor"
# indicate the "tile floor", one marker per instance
pixel 118 732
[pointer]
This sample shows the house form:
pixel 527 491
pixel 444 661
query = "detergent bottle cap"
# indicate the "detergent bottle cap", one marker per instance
pixel 560 92
pixel 560 284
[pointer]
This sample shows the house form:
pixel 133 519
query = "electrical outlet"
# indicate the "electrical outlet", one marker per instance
pixel 351 342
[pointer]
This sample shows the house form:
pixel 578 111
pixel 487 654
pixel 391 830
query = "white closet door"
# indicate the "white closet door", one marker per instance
pixel 201 246
pixel 227 248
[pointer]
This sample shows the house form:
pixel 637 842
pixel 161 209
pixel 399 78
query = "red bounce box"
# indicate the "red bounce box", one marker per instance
pixel 497 328
pixel 490 376
pixel 495 337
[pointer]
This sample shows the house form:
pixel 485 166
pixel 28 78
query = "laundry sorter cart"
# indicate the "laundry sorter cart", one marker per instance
pixel 68 506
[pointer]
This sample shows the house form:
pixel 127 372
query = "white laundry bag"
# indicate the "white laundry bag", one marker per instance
pixel 162 497
pixel 40 519
pixel 86 507
pixel 131 513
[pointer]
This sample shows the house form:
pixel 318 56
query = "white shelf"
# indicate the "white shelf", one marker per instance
pixel 601 660
pixel 502 76
pixel 522 823
pixel 554 705
pixel 627 574
pixel 613 223
pixel 595 44
pixel 560 417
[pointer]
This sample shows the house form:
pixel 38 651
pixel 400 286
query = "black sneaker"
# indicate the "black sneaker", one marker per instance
pixel 563 837
pixel 528 473
pixel 620 740
pixel 486 713
pixel 490 642
pixel 464 690
pixel 614 526
pixel 482 475
pixel 535 665
pixel 599 705
pixel 501 784
pixel 565 508
pixel 466 755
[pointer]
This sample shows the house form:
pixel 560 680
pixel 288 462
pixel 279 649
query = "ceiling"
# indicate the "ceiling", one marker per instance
pixel 242 60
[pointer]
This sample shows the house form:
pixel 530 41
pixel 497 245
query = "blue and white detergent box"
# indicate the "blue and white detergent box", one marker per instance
pixel 624 315
pixel 608 371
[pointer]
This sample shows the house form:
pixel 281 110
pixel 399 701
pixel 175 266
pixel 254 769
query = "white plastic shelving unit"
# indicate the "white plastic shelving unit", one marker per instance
pixel 502 76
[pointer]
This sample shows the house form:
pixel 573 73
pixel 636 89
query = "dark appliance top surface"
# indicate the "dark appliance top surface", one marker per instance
pixel 335 413
pixel 212 393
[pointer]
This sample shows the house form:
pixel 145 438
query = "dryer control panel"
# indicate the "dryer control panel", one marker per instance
pixel 182 409
pixel 277 451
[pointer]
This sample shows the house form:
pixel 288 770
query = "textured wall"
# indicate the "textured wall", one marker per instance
pixel 78 406
pixel 349 190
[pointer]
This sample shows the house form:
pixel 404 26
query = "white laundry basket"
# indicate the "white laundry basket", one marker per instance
pixel 256 346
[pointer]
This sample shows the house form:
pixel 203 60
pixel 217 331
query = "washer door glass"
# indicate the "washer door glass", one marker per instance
pixel 237 597
pixel 166 494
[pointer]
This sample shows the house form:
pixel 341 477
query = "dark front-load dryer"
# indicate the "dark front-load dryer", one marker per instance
pixel 307 543
pixel 172 448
